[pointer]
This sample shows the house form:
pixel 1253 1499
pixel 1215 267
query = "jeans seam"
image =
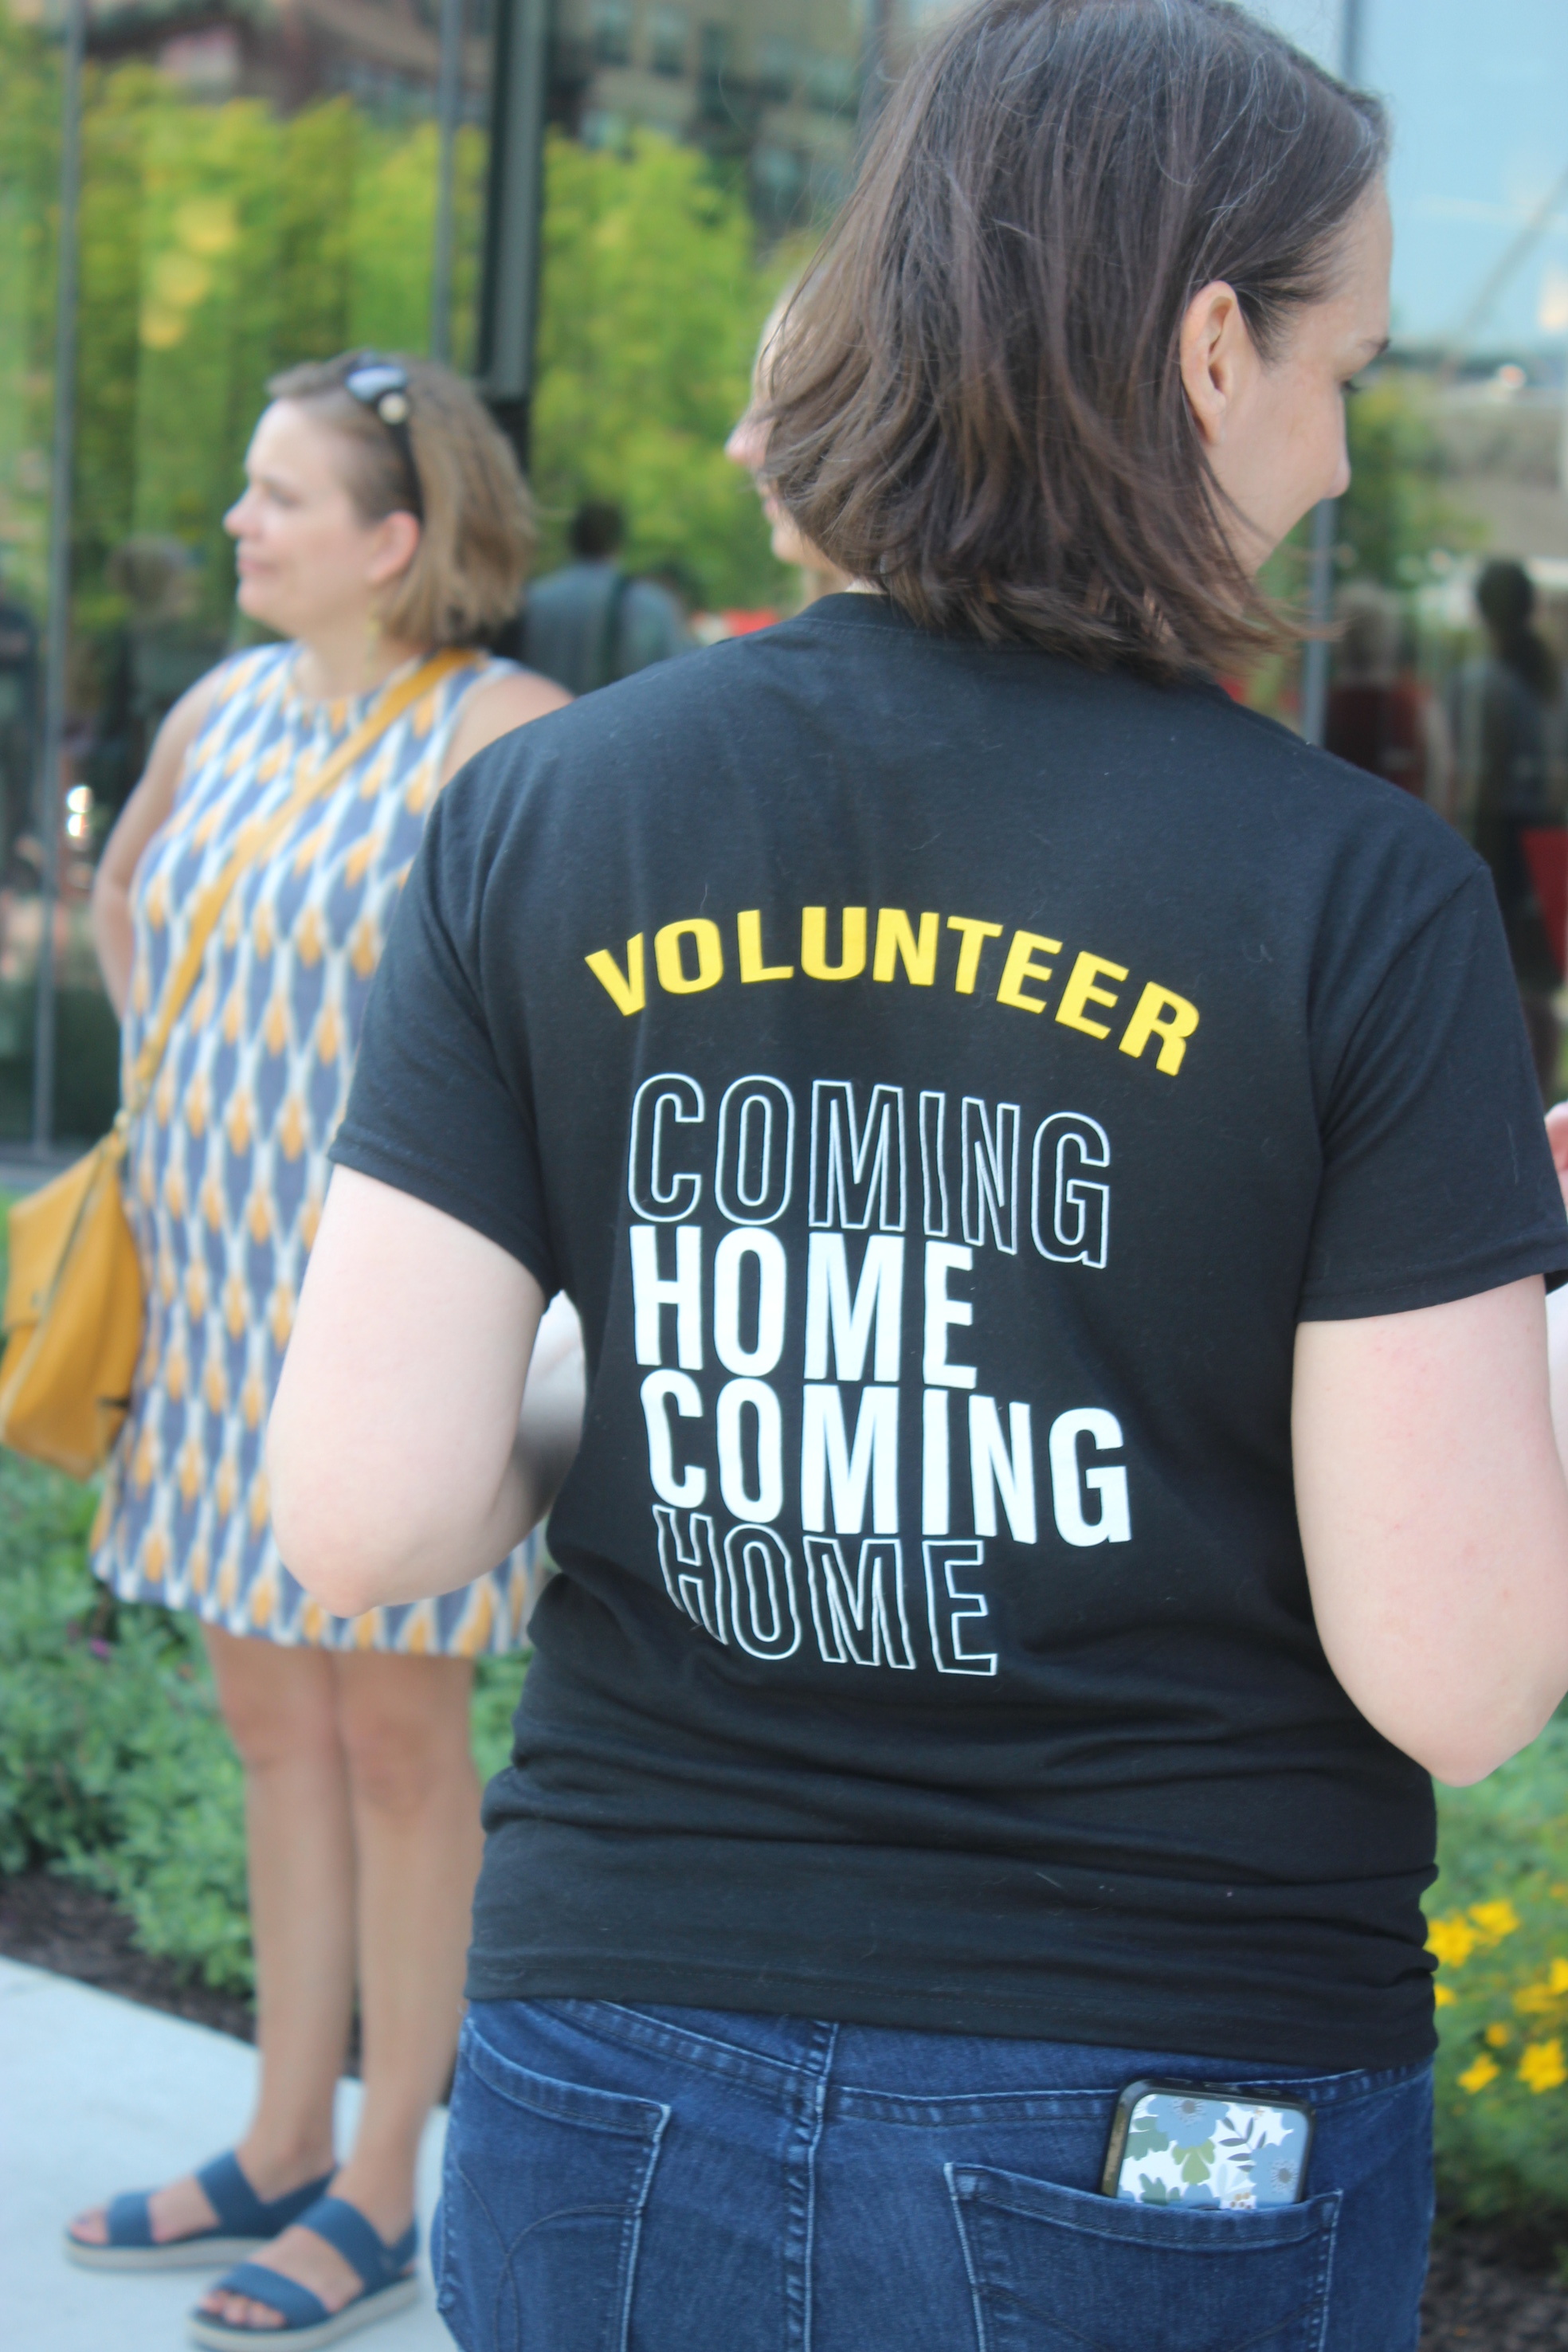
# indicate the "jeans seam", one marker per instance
pixel 729 2061
pixel 617 2329
pixel 632 2244
pixel 813 2074
pixel 977 2305
pixel 1326 2273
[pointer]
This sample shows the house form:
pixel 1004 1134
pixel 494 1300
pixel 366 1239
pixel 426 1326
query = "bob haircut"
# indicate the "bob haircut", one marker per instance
pixel 975 400
pixel 466 576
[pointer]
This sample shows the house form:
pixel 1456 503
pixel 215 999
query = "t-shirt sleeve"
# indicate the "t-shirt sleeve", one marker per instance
pixel 1437 1179
pixel 430 1110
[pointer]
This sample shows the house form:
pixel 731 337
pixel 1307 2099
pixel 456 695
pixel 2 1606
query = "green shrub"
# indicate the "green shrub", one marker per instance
pixel 114 1764
pixel 1498 1919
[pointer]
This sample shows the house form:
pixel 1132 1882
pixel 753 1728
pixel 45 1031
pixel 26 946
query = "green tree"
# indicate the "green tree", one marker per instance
pixel 29 164
pixel 220 243
pixel 652 299
pixel 1396 511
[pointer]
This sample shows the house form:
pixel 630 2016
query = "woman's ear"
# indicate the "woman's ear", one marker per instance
pixel 393 544
pixel 1217 356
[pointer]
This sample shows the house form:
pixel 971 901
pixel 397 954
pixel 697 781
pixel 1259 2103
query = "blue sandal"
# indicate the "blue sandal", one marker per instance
pixel 244 2221
pixel 387 2272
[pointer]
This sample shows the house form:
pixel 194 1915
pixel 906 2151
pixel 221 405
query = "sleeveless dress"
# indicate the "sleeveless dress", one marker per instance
pixel 228 1169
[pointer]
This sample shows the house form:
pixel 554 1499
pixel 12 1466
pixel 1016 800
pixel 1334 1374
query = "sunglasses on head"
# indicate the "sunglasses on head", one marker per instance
pixel 381 387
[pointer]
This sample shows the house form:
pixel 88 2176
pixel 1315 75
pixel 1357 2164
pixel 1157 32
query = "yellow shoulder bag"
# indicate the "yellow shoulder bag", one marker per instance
pixel 73 1311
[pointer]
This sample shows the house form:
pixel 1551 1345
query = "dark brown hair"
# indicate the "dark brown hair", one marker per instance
pixel 975 400
pixel 475 541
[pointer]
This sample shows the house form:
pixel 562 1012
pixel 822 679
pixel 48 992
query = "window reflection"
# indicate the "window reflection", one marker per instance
pixel 258 189
pixel 260 186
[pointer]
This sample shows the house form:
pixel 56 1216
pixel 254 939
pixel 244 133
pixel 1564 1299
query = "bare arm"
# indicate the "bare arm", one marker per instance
pixel 1433 1515
pixel 143 813
pixel 494 710
pixel 392 1451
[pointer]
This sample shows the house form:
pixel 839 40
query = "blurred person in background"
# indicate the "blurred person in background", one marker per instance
pixel 748 446
pixel 18 712
pixel 591 623
pixel 1379 718
pixel 1509 725
pixel 384 522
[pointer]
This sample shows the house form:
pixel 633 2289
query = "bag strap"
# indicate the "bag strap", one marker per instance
pixel 607 668
pixel 255 838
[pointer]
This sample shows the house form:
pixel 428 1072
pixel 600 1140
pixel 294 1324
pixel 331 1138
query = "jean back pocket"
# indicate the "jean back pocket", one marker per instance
pixel 1053 2270
pixel 542 2201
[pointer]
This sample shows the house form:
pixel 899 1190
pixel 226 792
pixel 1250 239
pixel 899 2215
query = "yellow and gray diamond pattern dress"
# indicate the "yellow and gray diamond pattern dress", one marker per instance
pixel 227 1167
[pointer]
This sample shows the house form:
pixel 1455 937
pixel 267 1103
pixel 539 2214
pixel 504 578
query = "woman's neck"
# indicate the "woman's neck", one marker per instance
pixel 335 666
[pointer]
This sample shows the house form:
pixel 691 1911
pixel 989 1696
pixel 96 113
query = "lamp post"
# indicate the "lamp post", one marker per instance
pixel 56 638
pixel 449 112
pixel 1325 515
pixel 509 294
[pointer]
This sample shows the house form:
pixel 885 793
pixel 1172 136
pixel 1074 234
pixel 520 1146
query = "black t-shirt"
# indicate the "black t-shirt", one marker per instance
pixel 942 1079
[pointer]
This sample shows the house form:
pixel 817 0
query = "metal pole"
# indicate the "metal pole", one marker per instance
pixel 514 207
pixel 1326 514
pixel 877 66
pixel 448 114
pixel 58 627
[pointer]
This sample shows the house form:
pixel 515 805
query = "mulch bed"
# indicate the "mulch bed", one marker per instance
pixel 52 1923
pixel 1488 2290
pixel 1493 2290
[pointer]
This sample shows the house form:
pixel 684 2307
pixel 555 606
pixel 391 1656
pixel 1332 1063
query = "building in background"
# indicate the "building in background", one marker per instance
pixel 262 184
pixel 631 182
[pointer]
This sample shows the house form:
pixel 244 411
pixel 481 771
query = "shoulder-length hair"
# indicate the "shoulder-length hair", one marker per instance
pixel 477 537
pixel 977 401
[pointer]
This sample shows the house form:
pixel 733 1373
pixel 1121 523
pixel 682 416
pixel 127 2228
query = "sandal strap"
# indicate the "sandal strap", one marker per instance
pixel 296 2305
pixel 241 2213
pixel 345 2228
pixel 129 2218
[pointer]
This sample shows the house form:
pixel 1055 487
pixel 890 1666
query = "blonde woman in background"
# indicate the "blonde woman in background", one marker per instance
pixel 748 446
pixel 384 522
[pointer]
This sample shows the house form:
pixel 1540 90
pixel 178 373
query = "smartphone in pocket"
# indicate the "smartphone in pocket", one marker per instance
pixel 1194 2144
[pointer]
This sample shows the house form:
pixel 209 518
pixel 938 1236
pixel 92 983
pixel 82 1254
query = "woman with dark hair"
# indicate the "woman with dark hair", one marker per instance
pixel 1051 1173
pixel 1508 726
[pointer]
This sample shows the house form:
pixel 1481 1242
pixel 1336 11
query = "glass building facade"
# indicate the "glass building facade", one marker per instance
pixel 591 205
pixel 267 181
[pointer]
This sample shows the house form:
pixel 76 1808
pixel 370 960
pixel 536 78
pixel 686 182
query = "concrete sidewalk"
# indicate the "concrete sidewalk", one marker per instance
pixel 99 2095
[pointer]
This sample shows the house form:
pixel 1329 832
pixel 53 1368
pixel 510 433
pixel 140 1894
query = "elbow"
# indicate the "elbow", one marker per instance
pixel 324 1535
pixel 329 1563
pixel 1462 1751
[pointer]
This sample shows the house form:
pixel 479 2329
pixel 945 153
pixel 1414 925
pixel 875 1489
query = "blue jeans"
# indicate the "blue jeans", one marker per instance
pixel 656 2180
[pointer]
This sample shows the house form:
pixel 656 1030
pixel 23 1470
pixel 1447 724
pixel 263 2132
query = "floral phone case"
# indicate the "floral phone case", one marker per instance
pixel 1194 2144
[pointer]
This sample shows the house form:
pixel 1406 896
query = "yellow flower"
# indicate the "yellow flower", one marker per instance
pixel 1476 2078
pixel 1453 1940
pixel 1542 2066
pixel 1499 2036
pixel 1442 1996
pixel 1494 1920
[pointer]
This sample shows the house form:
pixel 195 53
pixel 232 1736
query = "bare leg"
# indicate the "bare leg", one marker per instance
pixel 404 1724
pixel 281 1706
